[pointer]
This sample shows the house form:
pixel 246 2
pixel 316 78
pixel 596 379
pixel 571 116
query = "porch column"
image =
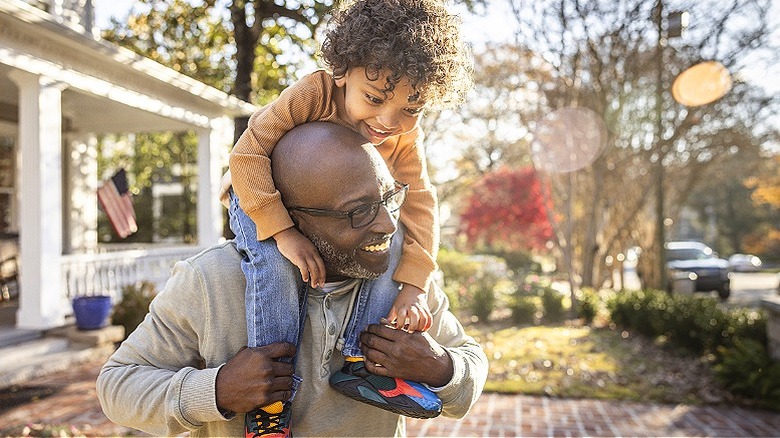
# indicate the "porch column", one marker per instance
pixel 42 302
pixel 212 149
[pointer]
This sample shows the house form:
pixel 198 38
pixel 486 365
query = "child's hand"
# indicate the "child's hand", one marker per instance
pixel 302 253
pixel 410 310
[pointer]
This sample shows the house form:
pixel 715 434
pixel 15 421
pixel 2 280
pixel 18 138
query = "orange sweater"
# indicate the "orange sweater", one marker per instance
pixel 312 99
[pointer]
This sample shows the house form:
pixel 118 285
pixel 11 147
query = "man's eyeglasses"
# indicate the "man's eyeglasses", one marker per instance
pixel 363 215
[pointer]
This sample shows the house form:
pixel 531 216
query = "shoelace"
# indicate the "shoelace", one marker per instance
pixel 267 424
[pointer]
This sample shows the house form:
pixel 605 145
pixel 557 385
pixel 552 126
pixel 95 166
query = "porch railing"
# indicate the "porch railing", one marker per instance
pixel 107 273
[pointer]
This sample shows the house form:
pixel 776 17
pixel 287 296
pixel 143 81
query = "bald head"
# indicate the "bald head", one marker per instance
pixel 315 162
pixel 329 175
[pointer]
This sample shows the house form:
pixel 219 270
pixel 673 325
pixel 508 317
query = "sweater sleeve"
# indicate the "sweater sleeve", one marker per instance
pixel 155 381
pixel 470 365
pixel 419 214
pixel 250 162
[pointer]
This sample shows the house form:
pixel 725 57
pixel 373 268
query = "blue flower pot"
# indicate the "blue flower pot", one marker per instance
pixel 91 312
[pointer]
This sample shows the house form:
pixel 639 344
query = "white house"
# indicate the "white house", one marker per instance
pixel 61 86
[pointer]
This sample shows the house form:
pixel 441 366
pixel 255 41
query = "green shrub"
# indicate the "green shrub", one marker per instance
pixel 474 283
pixel 696 323
pixel 746 369
pixel 457 267
pixel 702 325
pixel 588 304
pixel 532 290
pixel 639 310
pixel 523 309
pixel 552 305
pixel 532 284
pixel 482 296
pixel 134 305
pixel 747 323
pixel 458 272
pixel 519 261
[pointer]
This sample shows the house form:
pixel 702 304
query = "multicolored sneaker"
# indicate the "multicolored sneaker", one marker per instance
pixel 400 396
pixel 262 423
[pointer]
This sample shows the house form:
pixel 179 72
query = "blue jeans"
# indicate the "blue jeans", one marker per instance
pixel 274 289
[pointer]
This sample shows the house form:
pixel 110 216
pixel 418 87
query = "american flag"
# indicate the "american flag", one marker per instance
pixel 117 202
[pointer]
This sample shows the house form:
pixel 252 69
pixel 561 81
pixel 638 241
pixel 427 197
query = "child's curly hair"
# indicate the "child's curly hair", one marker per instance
pixel 418 39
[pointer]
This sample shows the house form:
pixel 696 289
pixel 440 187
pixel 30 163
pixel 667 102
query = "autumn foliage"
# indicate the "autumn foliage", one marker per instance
pixel 766 192
pixel 508 207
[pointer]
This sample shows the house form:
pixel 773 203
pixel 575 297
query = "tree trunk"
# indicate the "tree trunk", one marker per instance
pixel 590 245
pixel 246 39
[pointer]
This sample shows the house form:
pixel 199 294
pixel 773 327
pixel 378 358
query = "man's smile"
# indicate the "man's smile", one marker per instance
pixel 378 247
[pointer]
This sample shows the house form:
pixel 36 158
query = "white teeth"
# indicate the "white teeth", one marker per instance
pixel 378 248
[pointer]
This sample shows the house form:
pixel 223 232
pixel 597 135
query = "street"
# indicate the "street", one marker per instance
pixel 749 288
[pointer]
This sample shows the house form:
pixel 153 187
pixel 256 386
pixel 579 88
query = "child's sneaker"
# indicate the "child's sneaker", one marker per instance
pixel 400 396
pixel 276 423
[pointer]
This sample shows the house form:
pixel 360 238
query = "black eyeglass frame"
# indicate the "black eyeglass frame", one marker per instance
pixel 399 188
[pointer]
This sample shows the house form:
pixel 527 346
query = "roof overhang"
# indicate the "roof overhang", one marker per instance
pixel 104 79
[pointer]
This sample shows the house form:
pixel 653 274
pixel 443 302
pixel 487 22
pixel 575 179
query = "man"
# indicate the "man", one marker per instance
pixel 185 367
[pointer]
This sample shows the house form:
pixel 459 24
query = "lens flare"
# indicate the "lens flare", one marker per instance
pixel 567 140
pixel 701 84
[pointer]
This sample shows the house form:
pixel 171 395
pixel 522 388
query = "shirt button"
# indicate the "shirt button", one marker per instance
pixel 327 355
pixel 332 329
pixel 327 303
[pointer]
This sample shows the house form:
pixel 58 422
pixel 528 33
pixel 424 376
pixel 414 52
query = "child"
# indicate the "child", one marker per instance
pixel 389 60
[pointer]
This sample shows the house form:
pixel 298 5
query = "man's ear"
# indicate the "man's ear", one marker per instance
pixel 341 80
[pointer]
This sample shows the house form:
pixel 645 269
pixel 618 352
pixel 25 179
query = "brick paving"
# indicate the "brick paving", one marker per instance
pixel 498 415
pixel 494 415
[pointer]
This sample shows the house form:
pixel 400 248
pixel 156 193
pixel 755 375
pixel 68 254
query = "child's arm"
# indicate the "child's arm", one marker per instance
pixel 250 162
pixel 251 177
pixel 419 215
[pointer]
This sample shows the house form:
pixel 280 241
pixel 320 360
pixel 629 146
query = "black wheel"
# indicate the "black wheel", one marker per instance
pixel 724 292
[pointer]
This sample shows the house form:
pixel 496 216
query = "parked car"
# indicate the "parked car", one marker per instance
pixel 744 263
pixel 711 272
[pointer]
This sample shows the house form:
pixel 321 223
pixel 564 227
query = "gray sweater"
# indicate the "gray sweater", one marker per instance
pixel 161 380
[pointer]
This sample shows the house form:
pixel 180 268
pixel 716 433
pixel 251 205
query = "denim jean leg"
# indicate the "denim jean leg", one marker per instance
pixel 374 300
pixel 303 293
pixel 272 284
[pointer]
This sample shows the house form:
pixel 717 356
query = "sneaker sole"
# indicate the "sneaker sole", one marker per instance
pixel 423 414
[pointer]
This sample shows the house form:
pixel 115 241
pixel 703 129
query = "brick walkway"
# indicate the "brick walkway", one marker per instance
pixel 507 416
pixel 494 415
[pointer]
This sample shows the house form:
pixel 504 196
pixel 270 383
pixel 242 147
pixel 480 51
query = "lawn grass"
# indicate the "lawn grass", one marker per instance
pixel 571 360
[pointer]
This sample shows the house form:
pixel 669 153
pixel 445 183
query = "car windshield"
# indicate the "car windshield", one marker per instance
pixel 686 254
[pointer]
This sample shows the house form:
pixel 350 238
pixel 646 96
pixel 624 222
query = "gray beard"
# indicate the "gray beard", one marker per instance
pixel 340 263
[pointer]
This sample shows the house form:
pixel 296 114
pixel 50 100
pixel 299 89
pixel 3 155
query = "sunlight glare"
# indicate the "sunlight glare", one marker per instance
pixel 568 139
pixel 701 84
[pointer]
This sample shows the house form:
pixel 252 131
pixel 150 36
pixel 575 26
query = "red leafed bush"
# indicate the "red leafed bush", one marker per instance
pixel 508 207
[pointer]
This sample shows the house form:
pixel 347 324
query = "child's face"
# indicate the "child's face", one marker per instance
pixel 374 114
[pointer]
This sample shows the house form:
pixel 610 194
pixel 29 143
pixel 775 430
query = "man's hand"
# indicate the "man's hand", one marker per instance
pixel 411 356
pixel 299 250
pixel 253 378
pixel 410 310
